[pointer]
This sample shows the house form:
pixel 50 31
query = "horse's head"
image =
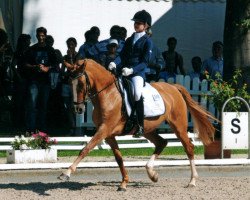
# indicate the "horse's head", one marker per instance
pixel 80 86
pixel 89 80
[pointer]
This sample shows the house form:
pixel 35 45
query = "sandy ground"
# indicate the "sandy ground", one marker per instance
pixel 219 182
pixel 171 188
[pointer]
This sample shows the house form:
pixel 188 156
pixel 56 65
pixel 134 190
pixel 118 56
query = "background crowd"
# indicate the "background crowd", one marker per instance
pixel 35 79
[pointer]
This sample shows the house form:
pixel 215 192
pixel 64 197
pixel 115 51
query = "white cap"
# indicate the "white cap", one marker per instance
pixel 113 41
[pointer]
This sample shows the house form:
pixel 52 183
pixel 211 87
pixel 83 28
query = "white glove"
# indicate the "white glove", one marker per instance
pixel 112 66
pixel 127 71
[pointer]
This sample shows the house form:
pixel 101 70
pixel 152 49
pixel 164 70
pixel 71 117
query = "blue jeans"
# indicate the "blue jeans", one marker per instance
pixel 38 95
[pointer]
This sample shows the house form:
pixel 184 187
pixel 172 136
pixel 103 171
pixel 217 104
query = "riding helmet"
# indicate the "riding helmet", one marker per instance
pixel 142 16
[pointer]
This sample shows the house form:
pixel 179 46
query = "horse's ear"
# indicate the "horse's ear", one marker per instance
pixel 81 62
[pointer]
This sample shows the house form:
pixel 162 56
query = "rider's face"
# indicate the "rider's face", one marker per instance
pixel 139 26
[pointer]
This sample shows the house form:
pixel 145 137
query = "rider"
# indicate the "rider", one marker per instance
pixel 134 60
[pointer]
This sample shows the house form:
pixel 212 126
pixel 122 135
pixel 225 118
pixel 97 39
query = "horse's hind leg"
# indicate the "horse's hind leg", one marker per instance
pixel 118 157
pixel 160 144
pixel 189 149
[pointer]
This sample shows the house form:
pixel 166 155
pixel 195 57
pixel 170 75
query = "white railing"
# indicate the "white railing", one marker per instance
pixel 196 88
pixel 124 142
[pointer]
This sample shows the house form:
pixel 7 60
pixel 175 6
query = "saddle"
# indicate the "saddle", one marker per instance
pixel 153 102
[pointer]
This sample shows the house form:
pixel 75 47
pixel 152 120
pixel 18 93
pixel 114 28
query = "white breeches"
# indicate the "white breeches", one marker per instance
pixel 138 83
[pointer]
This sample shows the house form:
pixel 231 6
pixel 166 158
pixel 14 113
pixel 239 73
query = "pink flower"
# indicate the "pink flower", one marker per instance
pixel 42 134
pixel 34 135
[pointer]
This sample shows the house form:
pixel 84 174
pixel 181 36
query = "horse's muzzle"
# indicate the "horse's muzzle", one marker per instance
pixel 79 108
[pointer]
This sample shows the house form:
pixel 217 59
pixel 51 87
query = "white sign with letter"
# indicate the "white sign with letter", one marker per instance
pixel 235 130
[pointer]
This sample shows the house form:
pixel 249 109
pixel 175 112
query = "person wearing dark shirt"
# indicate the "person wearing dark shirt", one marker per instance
pixel 40 59
pixel 196 65
pixel 67 94
pixel 173 61
pixel 20 79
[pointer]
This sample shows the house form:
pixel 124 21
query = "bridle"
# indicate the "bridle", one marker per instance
pixel 87 89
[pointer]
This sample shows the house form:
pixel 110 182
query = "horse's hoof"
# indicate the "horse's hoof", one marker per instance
pixel 191 185
pixel 155 177
pixel 120 189
pixel 63 177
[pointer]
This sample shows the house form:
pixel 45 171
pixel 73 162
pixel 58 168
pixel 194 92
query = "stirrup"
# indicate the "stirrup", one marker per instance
pixel 139 132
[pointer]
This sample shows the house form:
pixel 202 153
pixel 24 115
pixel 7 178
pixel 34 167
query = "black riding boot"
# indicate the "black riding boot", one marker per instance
pixel 140 118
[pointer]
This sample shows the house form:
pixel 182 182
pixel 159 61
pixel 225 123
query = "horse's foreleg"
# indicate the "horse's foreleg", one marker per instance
pixel 160 144
pixel 96 139
pixel 118 157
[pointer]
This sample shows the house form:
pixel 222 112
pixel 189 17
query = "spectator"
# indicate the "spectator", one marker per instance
pixel 196 65
pixel 6 71
pixel 214 64
pixel 54 73
pixel 101 47
pixel 156 63
pixel 111 54
pixel 20 80
pixel 40 59
pixel 173 60
pixel 95 34
pixel 83 50
pixel 123 33
pixel 67 94
pixel 54 116
pixel 3 44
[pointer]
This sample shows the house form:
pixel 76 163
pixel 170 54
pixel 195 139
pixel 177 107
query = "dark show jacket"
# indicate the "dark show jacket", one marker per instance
pixel 136 56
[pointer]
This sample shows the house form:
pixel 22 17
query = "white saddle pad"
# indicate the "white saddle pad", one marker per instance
pixel 153 102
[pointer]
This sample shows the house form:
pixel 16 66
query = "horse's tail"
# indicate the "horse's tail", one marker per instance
pixel 200 116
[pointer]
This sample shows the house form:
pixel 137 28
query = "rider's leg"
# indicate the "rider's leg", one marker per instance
pixel 138 83
pixel 140 117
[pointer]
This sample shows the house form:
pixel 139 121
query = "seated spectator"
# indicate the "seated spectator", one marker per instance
pixel 173 61
pixel 196 65
pixel 214 64
pixel 110 55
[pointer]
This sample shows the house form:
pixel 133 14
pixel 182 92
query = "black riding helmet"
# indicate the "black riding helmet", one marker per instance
pixel 142 16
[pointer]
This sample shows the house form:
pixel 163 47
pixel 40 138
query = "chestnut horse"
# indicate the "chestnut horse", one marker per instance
pixel 98 84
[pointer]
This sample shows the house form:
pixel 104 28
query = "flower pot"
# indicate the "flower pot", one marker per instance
pixel 32 156
pixel 213 151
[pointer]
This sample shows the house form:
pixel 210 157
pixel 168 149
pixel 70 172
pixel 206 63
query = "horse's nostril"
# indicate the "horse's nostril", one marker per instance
pixel 79 110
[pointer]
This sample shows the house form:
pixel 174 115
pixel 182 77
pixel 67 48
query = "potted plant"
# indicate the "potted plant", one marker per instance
pixel 221 91
pixel 36 148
